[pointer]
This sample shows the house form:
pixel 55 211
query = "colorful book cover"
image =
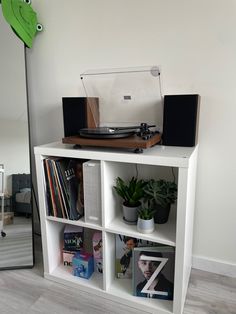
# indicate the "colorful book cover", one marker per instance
pixel 153 272
pixel 124 247
pixel 73 238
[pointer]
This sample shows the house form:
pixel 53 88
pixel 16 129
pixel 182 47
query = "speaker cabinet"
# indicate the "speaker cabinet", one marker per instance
pixel 92 192
pixel 78 113
pixel 180 121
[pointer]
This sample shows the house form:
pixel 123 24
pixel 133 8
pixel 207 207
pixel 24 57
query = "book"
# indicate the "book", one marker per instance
pixel 153 272
pixel 124 247
pixel 73 238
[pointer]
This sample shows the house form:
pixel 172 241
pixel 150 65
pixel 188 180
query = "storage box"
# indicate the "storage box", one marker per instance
pixel 83 265
pixel 73 238
pixel 92 192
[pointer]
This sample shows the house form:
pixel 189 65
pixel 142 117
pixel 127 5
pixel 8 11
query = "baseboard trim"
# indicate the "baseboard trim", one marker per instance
pixel 214 266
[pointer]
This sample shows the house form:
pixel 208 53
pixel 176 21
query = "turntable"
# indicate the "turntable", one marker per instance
pixel 133 137
pixel 125 98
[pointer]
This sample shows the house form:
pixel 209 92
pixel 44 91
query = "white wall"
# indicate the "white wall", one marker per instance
pixel 195 44
pixel 13 103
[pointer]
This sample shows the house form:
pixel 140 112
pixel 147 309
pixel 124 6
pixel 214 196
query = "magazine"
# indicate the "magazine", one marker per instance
pixel 153 272
pixel 124 247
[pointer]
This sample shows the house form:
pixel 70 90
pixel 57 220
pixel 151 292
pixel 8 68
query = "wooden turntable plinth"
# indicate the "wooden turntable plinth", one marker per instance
pixel 132 141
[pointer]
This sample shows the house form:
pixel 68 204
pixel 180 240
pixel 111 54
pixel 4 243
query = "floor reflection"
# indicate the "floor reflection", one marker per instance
pixel 16 246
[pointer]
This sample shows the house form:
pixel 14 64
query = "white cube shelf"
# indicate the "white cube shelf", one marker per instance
pixel 156 162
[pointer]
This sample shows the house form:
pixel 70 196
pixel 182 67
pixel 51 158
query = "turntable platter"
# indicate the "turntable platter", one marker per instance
pixel 106 132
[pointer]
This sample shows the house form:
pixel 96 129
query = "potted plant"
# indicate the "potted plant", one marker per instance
pixel 161 194
pixel 132 192
pixel 145 220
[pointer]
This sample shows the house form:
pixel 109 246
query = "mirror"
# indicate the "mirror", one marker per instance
pixel 16 238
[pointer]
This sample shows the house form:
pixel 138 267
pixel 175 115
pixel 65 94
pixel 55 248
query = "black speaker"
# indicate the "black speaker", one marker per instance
pixel 78 113
pixel 180 121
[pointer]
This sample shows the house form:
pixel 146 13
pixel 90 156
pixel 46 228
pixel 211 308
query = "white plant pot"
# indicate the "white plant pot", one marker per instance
pixel 145 226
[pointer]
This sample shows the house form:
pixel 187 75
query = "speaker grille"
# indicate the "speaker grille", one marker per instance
pixel 180 123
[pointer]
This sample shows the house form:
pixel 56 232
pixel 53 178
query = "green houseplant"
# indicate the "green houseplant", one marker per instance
pixel 131 191
pixel 145 220
pixel 161 194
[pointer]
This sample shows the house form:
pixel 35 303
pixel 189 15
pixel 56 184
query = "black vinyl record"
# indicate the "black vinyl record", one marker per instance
pixel 106 132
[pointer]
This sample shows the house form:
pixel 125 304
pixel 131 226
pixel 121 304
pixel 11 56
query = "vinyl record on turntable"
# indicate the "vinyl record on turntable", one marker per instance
pixel 106 132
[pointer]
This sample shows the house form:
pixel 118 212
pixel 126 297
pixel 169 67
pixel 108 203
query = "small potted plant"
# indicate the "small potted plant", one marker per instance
pixel 132 192
pixel 145 220
pixel 161 194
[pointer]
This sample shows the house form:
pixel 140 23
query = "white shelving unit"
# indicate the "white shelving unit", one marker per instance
pixel 177 232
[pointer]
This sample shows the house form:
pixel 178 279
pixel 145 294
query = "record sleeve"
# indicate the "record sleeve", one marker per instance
pixel 153 272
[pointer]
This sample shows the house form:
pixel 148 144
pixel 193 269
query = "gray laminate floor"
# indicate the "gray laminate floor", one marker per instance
pixel 26 291
pixel 16 246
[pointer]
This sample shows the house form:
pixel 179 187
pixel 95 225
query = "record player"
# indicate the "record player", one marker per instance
pixel 126 98
pixel 133 137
